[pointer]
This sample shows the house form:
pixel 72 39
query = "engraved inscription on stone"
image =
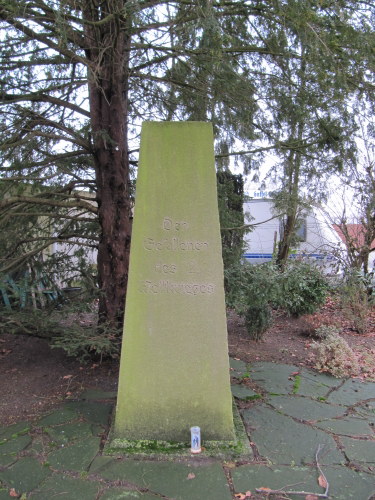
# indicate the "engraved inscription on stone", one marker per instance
pixel 170 224
pixel 191 267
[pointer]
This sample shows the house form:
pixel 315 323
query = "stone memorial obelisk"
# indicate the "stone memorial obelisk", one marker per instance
pixel 174 369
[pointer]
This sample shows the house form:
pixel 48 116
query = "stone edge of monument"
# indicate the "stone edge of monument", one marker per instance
pixel 240 448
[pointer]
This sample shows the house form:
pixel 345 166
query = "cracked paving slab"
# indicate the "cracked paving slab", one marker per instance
pixel 340 480
pixel 176 480
pixel 282 440
pixel 352 391
pixel 304 408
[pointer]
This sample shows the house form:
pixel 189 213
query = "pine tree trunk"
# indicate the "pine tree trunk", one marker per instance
pixel 109 44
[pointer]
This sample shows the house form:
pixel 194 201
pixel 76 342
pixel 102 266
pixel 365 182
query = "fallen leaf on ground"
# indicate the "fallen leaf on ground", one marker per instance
pixel 322 482
pixel 13 493
pixel 65 377
pixel 191 475
pixel 243 496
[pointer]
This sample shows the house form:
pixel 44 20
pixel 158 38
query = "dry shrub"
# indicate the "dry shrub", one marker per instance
pixel 334 355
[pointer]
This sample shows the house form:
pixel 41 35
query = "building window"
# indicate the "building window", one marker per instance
pixel 300 231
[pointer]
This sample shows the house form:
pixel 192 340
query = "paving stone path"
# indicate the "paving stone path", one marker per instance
pixel 293 417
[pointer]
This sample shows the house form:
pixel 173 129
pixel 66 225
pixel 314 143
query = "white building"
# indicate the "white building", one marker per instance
pixel 317 238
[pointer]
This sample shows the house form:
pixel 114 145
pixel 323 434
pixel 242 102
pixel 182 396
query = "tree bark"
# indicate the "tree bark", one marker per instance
pixel 108 50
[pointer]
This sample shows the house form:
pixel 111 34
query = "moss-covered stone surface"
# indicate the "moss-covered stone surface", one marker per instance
pixel 174 370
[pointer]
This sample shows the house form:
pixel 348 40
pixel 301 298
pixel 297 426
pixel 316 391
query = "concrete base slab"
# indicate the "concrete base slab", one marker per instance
pixel 239 448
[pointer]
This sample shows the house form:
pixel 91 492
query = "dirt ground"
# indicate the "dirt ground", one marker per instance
pixel 34 378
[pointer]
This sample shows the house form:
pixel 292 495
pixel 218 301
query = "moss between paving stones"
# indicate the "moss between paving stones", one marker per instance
pixel 25 475
pixel 13 431
pixel 66 488
pixel 244 393
pixel 15 445
pixel 163 449
pixel 274 378
pixel 238 368
pixel 316 385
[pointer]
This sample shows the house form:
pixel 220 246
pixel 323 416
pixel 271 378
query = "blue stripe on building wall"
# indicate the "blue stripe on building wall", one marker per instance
pixel 318 256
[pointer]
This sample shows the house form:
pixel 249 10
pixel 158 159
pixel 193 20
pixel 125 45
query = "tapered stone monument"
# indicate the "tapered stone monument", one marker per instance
pixel 174 370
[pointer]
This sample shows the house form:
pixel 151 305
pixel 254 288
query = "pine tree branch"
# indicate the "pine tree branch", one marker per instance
pixel 34 35
pixel 14 200
pixel 43 97
pixel 52 216
pixel 51 160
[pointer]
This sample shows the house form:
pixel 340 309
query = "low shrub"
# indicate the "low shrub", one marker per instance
pixel 250 290
pixel 254 290
pixel 258 320
pixel 325 331
pixel 302 289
